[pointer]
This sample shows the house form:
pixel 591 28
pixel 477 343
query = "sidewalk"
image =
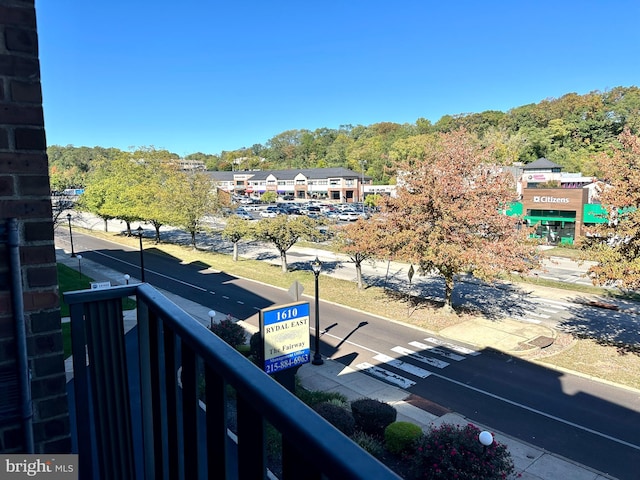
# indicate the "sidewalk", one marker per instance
pixel 531 463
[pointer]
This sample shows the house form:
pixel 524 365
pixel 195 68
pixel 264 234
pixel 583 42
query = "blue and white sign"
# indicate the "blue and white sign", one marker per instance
pixel 285 332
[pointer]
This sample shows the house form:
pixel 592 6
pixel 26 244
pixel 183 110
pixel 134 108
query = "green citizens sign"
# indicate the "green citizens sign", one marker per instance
pixel 285 336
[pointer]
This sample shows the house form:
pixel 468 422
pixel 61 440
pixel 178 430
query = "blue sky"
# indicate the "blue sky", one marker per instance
pixel 207 76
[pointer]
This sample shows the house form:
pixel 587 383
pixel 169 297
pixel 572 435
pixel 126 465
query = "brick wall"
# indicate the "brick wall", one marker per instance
pixel 24 194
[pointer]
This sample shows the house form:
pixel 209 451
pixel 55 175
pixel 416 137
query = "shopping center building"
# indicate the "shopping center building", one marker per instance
pixel 559 205
pixel 336 184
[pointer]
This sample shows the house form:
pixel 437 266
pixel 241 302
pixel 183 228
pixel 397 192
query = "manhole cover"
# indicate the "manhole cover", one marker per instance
pixel 541 342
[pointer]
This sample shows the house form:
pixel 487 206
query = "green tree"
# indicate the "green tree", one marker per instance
pixel 284 232
pixel 268 197
pixel 107 195
pixel 235 230
pixel 447 216
pixel 153 198
pixel 194 196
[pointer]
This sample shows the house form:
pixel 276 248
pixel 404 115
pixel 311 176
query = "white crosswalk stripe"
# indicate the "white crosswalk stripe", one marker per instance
pixel 404 366
pixel 548 310
pixel 421 358
pixel 541 315
pixel 554 303
pixel 437 351
pixel 435 347
pixel 451 346
pixel 529 320
pixel 385 375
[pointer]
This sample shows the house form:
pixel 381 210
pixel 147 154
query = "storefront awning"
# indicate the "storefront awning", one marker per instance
pixel 535 219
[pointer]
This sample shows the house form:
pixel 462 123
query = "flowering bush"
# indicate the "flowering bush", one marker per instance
pixel 452 452
pixel 229 331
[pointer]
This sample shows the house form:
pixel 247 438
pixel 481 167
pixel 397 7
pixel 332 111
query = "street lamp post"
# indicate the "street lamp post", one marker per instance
pixel 126 278
pixel 316 266
pixel 141 254
pixel 79 257
pixel 212 313
pixel 73 253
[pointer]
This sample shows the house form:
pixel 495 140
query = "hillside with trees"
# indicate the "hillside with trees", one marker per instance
pixel 570 131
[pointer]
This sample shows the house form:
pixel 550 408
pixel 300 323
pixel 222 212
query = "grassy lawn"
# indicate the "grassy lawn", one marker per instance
pixel 70 280
pixel 583 356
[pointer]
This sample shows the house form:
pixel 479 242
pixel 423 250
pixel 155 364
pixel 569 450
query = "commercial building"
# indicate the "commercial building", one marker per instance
pixel 337 184
pixel 560 205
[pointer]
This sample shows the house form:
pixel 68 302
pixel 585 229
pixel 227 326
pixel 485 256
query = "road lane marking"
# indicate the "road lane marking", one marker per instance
pixel 437 351
pixel 558 303
pixel 537 412
pixel 451 346
pixel 151 271
pixel 530 320
pixel 541 315
pixel 420 358
pixel 404 366
pixel 385 375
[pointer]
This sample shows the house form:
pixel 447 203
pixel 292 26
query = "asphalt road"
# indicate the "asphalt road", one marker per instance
pixel 590 422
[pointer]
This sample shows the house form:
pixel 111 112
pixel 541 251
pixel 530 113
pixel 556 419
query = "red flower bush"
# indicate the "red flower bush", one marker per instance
pixel 452 452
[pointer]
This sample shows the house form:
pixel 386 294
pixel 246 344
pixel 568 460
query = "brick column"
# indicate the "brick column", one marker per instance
pixel 25 195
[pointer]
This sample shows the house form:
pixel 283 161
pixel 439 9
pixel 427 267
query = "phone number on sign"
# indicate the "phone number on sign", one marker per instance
pixel 276 365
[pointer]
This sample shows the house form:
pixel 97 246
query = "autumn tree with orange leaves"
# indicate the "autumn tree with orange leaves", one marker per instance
pixel 448 217
pixel 360 241
pixel 615 245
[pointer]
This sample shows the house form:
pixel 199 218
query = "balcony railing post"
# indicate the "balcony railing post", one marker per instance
pixel 82 398
pixel 149 392
pixel 217 437
pixel 251 450
pixel 173 422
pixel 190 410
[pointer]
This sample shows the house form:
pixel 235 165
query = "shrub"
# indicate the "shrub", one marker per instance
pixel 337 416
pixel 456 452
pixel 340 402
pixel 229 331
pixel 372 445
pixel 400 437
pixel 372 416
pixel 314 397
pixel 255 349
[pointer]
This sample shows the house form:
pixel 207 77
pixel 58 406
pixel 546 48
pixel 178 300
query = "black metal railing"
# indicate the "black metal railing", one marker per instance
pixel 140 413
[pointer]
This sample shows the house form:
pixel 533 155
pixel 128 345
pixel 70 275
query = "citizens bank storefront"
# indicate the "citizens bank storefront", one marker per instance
pixel 557 213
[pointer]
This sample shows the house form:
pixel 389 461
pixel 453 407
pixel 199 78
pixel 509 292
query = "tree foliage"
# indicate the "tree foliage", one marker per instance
pixel 235 230
pixel 568 130
pixel 145 185
pixel 284 232
pixel 615 245
pixel 194 196
pixel 360 241
pixel 446 218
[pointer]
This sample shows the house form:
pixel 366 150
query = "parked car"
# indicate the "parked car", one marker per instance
pixel 293 210
pixel 313 211
pixel 243 214
pixel 272 211
pixel 349 216
pixel 268 214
